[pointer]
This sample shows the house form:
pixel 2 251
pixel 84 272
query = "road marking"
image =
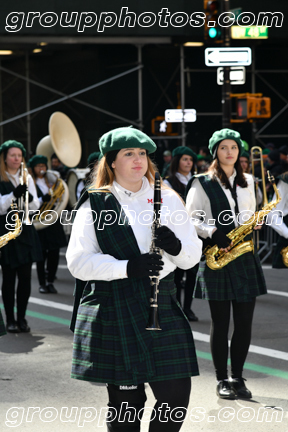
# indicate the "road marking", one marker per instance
pixel 253 348
pixel 52 304
pixel 61 266
pixel 280 293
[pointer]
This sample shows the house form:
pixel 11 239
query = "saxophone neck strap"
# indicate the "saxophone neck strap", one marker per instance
pixel 234 195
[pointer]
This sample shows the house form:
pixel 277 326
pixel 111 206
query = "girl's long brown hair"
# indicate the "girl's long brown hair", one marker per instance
pixel 215 170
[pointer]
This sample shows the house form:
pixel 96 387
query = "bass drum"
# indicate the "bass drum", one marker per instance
pixel 74 178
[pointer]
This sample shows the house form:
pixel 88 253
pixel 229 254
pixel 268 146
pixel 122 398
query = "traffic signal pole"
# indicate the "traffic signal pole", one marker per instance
pixel 226 88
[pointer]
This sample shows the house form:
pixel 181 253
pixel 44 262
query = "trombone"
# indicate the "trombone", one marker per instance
pixel 256 156
pixel 24 205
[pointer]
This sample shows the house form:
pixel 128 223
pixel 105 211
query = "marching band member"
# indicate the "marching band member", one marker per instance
pixel 182 168
pixel 225 188
pixel 280 222
pixel 17 256
pixel 111 343
pixel 91 162
pixel 52 237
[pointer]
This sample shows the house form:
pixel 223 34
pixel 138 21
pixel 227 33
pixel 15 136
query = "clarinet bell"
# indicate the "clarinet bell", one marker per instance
pixel 153 323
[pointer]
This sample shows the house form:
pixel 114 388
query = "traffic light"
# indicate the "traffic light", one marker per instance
pixel 160 127
pixel 251 107
pixel 212 30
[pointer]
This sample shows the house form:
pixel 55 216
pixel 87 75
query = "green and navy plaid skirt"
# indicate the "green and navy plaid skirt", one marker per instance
pixel 240 280
pixel 2 326
pixel 97 351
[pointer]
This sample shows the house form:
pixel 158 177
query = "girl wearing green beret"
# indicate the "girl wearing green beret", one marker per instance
pixel 52 237
pixel 225 189
pixel 111 261
pixel 182 167
pixel 18 255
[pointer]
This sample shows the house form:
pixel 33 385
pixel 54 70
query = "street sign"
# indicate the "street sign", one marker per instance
pixel 237 75
pixel 252 32
pixel 228 56
pixel 176 115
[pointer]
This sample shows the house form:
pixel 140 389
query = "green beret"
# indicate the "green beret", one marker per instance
pixel 182 150
pixel 246 145
pixel 223 134
pixel 10 144
pixel 246 155
pixel 93 157
pixel 38 159
pixel 125 137
pixel 266 151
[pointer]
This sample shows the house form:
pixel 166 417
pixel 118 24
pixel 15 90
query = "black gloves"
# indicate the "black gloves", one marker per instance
pixel 19 191
pixel 221 239
pixel 166 240
pixel 46 198
pixel 144 265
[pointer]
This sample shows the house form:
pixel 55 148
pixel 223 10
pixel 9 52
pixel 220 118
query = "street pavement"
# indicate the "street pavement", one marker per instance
pixel 37 393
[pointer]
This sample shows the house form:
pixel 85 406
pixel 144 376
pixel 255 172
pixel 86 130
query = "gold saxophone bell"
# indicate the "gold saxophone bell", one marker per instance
pixel 217 259
pixel 284 253
pixel 11 235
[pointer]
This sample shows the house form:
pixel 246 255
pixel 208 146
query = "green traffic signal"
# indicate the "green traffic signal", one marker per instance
pixel 212 33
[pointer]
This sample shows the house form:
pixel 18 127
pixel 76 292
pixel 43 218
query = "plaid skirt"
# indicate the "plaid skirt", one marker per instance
pixel 240 280
pixel 2 326
pixel 97 351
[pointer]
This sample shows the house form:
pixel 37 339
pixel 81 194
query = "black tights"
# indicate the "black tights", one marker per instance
pixel 169 395
pixel 23 290
pixel 52 258
pixel 242 316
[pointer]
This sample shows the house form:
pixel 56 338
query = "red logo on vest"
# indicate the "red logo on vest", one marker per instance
pixel 150 201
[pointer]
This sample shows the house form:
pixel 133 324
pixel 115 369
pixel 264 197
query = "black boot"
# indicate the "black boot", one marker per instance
pixel 238 385
pixel 224 390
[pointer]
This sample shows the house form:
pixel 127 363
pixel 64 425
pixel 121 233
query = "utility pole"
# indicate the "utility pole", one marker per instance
pixel 226 88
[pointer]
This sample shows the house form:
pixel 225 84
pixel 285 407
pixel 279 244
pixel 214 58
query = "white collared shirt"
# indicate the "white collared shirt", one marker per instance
pixel 198 200
pixel 6 200
pixel 275 218
pixel 182 178
pixel 87 262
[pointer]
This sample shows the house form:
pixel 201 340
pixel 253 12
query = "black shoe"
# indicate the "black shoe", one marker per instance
pixel 190 315
pixel 224 390
pixel 43 289
pixel 51 288
pixel 23 326
pixel 240 388
pixel 12 327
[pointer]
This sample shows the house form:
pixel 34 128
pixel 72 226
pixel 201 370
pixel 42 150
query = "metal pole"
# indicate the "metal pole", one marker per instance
pixel 28 105
pixel 1 108
pixel 182 92
pixel 140 88
pixel 226 88
pixel 253 88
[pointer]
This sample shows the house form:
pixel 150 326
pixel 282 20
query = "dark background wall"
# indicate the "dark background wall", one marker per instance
pixel 68 67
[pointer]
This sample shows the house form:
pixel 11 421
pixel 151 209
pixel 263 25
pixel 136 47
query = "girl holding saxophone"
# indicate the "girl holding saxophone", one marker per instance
pixel 222 192
pixel 110 257
pixel 18 255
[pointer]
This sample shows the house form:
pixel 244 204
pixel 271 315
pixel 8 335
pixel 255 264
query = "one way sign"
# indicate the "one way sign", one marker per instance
pixel 228 56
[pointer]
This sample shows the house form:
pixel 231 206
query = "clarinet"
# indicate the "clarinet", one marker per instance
pixel 153 322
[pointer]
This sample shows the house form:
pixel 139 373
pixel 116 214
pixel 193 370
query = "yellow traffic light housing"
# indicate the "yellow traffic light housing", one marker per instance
pixel 251 107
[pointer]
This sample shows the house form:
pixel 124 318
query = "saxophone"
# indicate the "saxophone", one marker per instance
pixel 284 253
pixel 217 259
pixel 12 234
